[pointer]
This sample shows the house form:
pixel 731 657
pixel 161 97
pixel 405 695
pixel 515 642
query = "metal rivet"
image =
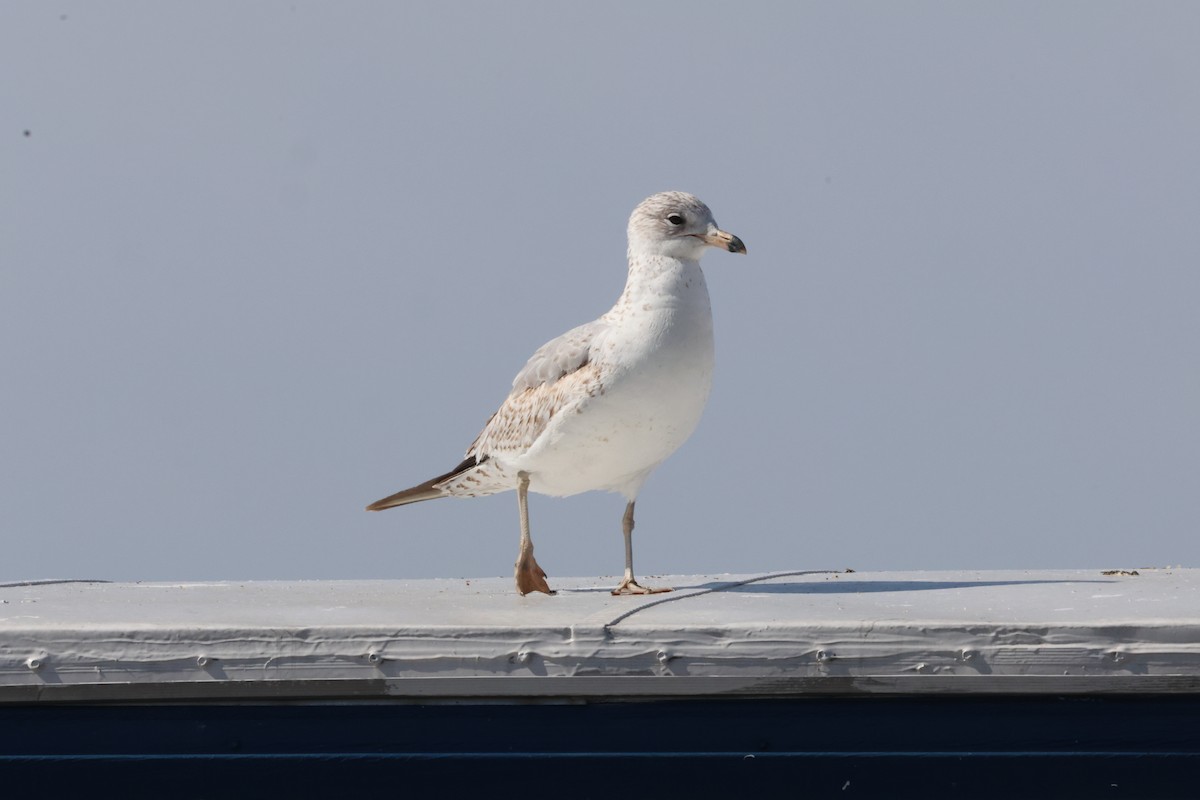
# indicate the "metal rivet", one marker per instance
pixel 374 657
pixel 523 656
pixel 33 663
pixel 663 656
pixel 202 661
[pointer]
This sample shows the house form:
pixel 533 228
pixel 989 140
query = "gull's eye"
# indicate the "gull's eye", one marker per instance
pixel 675 219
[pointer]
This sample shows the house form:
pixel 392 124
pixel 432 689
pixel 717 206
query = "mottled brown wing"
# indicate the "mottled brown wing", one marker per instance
pixel 525 414
pixel 558 376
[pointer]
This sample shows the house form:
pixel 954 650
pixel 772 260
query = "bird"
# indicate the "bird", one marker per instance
pixel 601 406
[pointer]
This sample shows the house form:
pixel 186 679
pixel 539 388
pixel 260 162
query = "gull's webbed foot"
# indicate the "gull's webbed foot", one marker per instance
pixel 531 577
pixel 631 586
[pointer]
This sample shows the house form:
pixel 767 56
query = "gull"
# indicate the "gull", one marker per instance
pixel 601 406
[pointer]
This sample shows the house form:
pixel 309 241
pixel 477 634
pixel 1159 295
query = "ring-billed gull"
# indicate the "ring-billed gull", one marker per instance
pixel 601 406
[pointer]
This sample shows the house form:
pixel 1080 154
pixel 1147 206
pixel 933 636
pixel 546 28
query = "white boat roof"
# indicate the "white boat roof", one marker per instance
pixel 788 633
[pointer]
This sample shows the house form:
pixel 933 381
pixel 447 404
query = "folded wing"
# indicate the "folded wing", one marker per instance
pixel 560 375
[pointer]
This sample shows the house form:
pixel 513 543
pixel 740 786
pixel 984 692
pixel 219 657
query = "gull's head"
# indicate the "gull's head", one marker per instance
pixel 677 225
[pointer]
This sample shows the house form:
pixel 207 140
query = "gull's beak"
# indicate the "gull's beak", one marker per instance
pixel 726 241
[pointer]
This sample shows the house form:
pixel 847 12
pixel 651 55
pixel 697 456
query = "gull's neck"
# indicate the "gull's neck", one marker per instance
pixel 654 278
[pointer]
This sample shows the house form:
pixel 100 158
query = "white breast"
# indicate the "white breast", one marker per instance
pixel 655 364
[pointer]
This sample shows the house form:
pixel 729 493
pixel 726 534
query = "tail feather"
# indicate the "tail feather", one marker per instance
pixel 424 491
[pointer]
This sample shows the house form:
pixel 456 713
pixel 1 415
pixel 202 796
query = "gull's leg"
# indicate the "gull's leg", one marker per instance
pixel 629 585
pixel 530 577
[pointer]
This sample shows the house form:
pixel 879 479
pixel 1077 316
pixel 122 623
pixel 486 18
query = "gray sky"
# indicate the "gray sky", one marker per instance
pixel 261 264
